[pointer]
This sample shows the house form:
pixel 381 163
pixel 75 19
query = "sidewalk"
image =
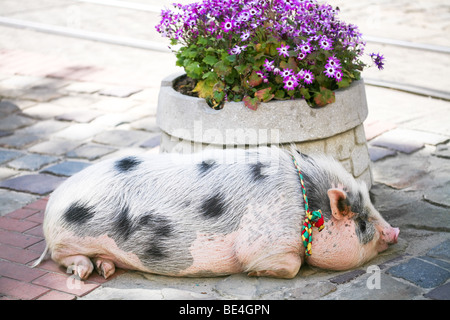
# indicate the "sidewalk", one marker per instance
pixel 58 116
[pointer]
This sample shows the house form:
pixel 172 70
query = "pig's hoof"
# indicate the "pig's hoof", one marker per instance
pixel 104 267
pixel 78 265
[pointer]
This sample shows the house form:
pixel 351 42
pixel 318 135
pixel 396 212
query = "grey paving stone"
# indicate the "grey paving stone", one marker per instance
pixel 79 131
pixel 8 155
pixel 424 273
pixel 84 87
pixel 389 289
pixel 377 153
pixel 18 140
pixel 439 195
pixel 33 183
pixel 6 173
pixel 66 168
pixel 441 251
pixel 439 293
pixel 55 147
pixel 123 138
pixel 15 121
pixel 31 162
pixel 147 124
pixel 83 116
pixel 442 151
pixel 45 110
pixel 5 133
pixel 7 107
pixel 90 151
pixel 41 93
pixel 120 92
pixel 113 104
pixel 11 200
pixel 402 144
pixel 346 277
pixel 43 128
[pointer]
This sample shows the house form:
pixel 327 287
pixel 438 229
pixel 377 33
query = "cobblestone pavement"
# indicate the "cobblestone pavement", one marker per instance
pixel 62 112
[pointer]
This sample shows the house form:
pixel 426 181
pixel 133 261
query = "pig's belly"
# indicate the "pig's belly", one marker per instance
pixel 212 255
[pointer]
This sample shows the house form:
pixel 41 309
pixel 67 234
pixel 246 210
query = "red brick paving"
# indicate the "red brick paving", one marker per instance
pixel 21 243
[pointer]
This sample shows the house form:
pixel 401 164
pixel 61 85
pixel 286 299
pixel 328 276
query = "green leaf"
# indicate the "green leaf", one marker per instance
pixel 264 95
pixel 218 95
pixel 305 93
pixel 210 60
pixel 324 97
pixel 222 69
pixel 251 103
pixel 204 89
pixel 344 83
pixel 279 94
pixel 193 70
pixel 202 41
pixel 290 64
pixel 254 79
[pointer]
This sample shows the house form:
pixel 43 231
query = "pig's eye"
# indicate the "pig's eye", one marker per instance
pixel 362 225
pixel 364 230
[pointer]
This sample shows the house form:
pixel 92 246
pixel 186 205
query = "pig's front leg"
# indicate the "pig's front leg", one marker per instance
pixel 285 265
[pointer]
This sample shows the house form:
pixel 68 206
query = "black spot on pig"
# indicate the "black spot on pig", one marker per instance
pixel 255 171
pixel 123 226
pixel 155 252
pixel 158 226
pixel 127 164
pixel 213 207
pixel 205 166
pixel 78 213
pixel 160 229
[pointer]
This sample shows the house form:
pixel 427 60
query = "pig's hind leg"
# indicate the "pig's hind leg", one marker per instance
pixel 104 267
pixel 285 265
pixel 78 264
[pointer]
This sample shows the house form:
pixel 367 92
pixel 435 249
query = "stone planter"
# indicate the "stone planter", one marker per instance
pixel 188 125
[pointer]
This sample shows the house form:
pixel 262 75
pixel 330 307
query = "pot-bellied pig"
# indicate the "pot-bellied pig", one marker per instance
pixel 212 213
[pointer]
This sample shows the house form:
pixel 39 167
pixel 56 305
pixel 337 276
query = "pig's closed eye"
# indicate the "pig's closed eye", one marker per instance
pixel 362 225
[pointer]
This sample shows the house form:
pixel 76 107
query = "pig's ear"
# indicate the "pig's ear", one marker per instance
pixel 339 203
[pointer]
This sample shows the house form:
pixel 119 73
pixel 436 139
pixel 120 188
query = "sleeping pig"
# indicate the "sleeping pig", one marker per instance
pixel 210 214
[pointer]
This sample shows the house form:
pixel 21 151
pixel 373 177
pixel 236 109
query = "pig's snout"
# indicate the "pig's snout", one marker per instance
pixel 389 236
pixel 394 238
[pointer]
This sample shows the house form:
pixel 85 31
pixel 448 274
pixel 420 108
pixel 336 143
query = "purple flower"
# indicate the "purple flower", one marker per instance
pixel 268 65
pixel 325 43
pixel 290 83
pixel 338 76
pixel 308 77
pixel 329 71
pixel 286 73
pixel 378 59
pixel 283 50
pixel 227 25
pixel 237 49
pixel 306 48
pixel 245 35
pixel 334 62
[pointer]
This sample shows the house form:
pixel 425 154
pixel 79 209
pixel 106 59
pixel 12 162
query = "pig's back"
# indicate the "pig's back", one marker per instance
pixel 177 212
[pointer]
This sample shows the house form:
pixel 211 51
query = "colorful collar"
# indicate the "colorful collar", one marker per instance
pixel 312 219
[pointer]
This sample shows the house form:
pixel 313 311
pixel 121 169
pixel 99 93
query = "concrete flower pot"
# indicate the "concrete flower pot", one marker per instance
pixel 188 125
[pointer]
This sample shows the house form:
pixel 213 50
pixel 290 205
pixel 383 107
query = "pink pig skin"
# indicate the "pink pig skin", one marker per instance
pixel 337 246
